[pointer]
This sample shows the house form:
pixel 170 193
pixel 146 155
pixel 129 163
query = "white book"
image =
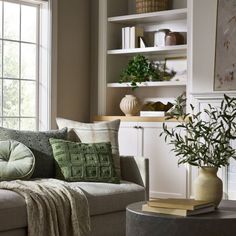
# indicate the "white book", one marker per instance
pixel 152 113
pixel 127 35
pixel 123 38
pixel 132 37
pixel 135 33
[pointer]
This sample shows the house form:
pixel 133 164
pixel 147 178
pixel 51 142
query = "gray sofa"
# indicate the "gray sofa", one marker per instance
pixel 107 202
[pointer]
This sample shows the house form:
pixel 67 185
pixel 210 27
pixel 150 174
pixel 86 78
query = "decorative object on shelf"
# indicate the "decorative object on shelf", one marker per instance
pixel 225 70
pixel 205 143
pixel 139 70
pixel 176 69
pixel 130 105
pixel 157 106
pixel 144 6
pixel 174 38
pixel 160 37
pixel 142 42
pixel 155 109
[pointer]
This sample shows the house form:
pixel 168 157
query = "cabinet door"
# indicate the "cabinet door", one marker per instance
pixel 167 179
pixel 128 139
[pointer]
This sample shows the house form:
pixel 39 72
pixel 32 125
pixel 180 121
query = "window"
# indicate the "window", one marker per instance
pixel 21 56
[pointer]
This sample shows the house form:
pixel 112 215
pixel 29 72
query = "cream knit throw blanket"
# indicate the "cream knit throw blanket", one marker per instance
pixel 53 208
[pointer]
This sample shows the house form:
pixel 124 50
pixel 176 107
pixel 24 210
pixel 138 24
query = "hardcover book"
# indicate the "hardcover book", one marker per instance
pixel 135 33
pixel 179 212
pixel 178 203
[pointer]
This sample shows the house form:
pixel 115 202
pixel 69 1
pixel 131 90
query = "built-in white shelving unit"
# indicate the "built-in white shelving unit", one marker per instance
pixel 152 17
pixel 114 15
pixel 149 84
pixel 167 50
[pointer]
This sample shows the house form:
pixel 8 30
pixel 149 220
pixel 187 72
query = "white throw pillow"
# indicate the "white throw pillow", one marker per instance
pixel 94 133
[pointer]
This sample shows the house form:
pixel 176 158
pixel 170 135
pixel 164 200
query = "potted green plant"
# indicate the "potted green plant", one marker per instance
pixel 205 143
pixel 138 70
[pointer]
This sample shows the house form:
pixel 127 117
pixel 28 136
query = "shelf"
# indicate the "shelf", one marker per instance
pixel 133 119
pixel 167 50
pixel 177 14
pixel 148 84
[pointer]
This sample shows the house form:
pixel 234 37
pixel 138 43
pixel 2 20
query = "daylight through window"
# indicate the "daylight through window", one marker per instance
pixel 19 66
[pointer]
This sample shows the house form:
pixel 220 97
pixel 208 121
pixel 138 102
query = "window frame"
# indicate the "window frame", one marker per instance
pixel 43 63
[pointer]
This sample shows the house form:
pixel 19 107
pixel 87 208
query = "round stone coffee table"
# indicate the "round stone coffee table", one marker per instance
pixel 222 222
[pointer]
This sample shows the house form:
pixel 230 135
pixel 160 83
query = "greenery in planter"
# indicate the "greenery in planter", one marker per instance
pixel 140 69
pixel 203 142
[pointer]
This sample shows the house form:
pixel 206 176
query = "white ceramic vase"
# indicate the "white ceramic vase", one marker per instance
pixel 130 105
pixel 208 186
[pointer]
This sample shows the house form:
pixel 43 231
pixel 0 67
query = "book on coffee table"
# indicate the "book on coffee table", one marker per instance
pixel 179 212
pixel 178 203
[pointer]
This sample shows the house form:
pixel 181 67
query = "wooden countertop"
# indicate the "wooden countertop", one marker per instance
pixel 133 119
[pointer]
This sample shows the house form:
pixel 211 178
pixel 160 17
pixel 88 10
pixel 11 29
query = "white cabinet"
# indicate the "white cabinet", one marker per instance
pixel 129 139
pixel 167 179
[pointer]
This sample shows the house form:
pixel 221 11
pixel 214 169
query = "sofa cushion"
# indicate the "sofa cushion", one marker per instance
pixel 16 160
pixel 84 162
pixel 103 198
pixel 95 133
pixel 106 198
pixel 13 214
pixel 38 142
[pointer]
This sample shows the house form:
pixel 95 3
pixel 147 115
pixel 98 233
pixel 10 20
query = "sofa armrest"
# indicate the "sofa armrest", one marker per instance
pixel 136 170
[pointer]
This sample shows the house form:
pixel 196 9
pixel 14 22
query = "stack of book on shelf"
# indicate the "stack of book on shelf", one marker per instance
pixel 152 113
pixel 130 37
pixel 180 207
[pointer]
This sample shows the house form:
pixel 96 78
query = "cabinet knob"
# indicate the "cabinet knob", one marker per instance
pixel 138 127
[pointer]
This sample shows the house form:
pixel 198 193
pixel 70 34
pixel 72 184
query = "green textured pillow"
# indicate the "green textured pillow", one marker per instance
pixel 94 133
pixel 38 143
pixel 16 161
pixel 84 162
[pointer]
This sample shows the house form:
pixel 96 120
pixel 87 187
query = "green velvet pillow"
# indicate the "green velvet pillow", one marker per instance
pixel 16 161
pixel 84 162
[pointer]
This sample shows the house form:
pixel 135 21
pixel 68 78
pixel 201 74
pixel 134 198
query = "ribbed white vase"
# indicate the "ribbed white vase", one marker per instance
pixel 130 105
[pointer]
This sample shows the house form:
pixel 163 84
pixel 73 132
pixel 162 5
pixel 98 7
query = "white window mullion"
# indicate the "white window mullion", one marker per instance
pixel 44 67
pixel 2 57
pixel 20 71
pixel 37 68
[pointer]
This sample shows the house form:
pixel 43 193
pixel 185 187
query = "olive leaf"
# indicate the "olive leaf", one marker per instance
pixel 201 142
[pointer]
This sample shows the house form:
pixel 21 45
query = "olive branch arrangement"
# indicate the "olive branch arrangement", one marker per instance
pixel 203 142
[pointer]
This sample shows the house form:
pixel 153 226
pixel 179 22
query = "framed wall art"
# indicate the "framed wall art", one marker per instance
pixel 178 66
pixel 225 55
